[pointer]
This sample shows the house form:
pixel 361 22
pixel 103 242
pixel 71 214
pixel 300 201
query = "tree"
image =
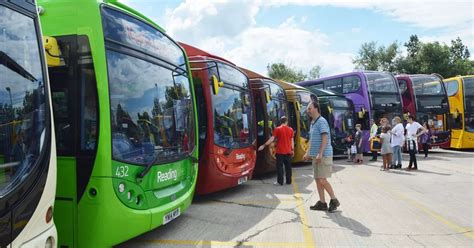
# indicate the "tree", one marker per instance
pixel 375 58
pixel 422 57
pixel 283 72
pixel 367 59
pixel 314 73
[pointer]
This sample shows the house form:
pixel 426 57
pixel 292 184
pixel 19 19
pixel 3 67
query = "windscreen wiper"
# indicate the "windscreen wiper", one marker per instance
pixel 11 64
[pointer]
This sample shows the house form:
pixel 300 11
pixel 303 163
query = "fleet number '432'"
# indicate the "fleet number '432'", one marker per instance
pixel 122 171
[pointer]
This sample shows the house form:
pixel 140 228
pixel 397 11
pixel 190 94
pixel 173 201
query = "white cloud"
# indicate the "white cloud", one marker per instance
pixel 260 46
pixel 228 29
pixel 193 20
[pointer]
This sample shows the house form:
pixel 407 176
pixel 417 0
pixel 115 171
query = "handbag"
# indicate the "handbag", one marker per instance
pixel 375 144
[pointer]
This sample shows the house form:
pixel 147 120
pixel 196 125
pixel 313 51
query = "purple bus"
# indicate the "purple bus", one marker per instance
pixel 374 94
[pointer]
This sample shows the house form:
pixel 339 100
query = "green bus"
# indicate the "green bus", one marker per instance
pixel 124 115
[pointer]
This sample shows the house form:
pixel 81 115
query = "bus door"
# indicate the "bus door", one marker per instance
pixel 75 108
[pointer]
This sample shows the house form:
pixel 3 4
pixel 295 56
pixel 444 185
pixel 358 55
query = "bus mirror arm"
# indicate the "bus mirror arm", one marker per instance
pixel 193 159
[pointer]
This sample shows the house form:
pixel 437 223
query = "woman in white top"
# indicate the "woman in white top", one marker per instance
pixel 412 140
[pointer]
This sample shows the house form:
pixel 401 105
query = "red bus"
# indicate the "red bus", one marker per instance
pixel 270 104
pixel 425 97
pixel 227 146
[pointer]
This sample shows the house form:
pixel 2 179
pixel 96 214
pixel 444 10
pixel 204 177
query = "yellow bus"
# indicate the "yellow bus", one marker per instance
pixel 460 91
pixel 298 99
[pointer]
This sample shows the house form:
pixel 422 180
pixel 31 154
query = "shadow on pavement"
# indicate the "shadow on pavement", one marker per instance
pixel 431 172
pixel 348 223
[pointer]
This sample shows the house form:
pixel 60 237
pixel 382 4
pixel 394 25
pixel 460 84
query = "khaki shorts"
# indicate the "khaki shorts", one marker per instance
pixel 323 169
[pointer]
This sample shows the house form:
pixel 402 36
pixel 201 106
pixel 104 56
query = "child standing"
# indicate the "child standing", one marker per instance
pixel 425 139
pixel 358 142
pixel 386 149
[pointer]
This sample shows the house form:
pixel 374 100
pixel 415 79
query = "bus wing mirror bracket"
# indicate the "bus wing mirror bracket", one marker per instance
pixel 216 84
pixel 361 113
pixel 298 106
pixel 268 98
pixel 53 53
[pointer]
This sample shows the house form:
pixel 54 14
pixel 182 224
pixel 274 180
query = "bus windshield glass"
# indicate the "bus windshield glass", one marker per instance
pixel 232 108
pixel 469 104
pixel 150 99
pixel 381 83
pixel 427 85
pixel 22 99
pixel 304 118
pixel 276 107
pixel 343 120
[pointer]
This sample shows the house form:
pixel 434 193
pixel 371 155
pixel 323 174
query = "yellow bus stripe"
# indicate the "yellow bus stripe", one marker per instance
pixel 307 233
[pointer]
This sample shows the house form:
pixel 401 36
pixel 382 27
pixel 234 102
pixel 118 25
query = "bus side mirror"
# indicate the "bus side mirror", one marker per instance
pixel 455 115
pixel 268 98
pixel 361 113
pixel 216 85
pixel 53 53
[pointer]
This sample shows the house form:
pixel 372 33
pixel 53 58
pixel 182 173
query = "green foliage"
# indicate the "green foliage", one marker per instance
pixel 283 72
pixel 422 57
pixel 314 73
pixel 286 73
pixel 373 58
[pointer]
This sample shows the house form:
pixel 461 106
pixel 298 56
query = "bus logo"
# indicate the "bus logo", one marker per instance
pixel 166 176
pixel 240 156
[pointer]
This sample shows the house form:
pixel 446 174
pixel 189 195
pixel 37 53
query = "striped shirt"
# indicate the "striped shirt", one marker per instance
pixel 319 127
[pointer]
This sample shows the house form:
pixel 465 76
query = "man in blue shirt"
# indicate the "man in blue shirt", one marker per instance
pixel 320 152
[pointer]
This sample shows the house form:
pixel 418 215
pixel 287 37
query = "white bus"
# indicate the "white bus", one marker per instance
pixel 27 145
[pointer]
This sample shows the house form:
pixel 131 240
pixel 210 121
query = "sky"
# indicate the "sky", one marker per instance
pixel 306 33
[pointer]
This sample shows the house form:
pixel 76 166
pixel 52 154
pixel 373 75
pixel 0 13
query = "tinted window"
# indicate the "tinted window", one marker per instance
pixel 350 84
pixel 304 118
pixel 334 85
pixel 22 99
pixel 402 84
pixel 151 110
pixel 427 85
pixel 452 87
pixel 232 108
pixel 469 104
pixel 129 31
pixel 276 90
pixel 381 82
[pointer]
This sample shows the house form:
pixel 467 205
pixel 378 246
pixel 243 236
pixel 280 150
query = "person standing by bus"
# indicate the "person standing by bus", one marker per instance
pixel 398 136
pixel 412 140
pixel 425 139
pixel 359 157
pixel 386 147
pixel 373 133
pixel 283 135
pixel 320 151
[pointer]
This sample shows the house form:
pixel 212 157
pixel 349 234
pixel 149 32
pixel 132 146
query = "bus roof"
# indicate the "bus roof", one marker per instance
pixel 459 76
pixel 254 75
pixel 134 12
pixel 358 72
pixel 323 92
pixel 192 51
pixel 290 86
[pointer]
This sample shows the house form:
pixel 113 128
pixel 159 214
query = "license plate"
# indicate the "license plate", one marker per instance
pixel 242 180
pixel 435 147
pixel 171 216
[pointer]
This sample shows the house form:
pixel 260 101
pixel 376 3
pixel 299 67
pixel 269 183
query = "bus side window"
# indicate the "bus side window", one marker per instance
pixel 89 109
pixel 350 84
pixel 334 85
